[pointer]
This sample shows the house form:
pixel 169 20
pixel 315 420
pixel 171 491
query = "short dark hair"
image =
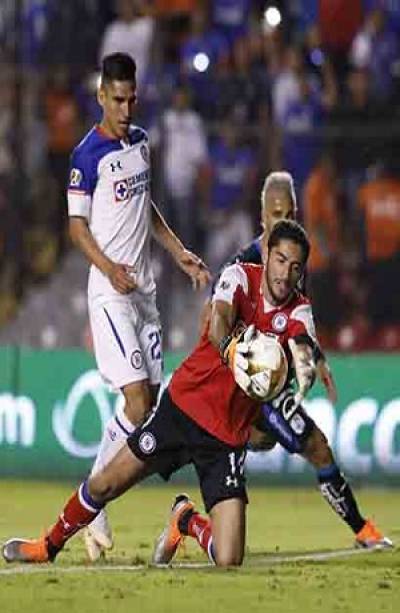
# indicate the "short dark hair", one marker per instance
pixel 118 67
pixel 288 229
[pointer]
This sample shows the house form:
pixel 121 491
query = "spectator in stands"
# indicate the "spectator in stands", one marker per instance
pixel 41 219
pixel 35 21
pixel 73 32
pixel 286 87
pixel 63 132
pixel 252 84
pixel 184 156
pixel 338 22
pixel 131 32
pixel 376 47
pixel 354 127
pixel 172 8
pixel 232 174
pixel 301 139
pixel 203 49
pixel 231 18
pixel 379 206
pixel 239 88
pixel 321 220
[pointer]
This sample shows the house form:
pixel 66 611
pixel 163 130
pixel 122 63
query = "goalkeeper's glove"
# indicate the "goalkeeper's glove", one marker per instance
pixel 304 367
pixel 233 350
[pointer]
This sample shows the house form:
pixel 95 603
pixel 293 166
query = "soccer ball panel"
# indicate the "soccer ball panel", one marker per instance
pixel 267 358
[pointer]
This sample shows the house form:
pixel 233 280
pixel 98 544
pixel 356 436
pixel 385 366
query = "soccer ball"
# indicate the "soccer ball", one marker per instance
pixel 268 366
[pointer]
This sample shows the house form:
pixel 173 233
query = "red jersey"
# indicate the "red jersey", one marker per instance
pixel 203 387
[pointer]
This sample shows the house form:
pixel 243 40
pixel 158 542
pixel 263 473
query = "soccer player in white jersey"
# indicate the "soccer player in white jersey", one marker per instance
pixel 112 218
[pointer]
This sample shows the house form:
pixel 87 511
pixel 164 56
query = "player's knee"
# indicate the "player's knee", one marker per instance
pixel 225 559
pixel 101 488
pixel 261 441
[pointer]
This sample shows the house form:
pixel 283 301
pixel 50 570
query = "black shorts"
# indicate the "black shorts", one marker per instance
pixel 169 439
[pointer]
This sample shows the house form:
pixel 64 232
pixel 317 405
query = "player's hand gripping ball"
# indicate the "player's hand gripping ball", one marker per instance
pixel 267 367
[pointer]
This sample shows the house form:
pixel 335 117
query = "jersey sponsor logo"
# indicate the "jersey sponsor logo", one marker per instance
pixel 147 442
pixel 279 322
pixel 75 177
pixel 126 189
pixel 116 166
pixel 137 359
pixel 224 285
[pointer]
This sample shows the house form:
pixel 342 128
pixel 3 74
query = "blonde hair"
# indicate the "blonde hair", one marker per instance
pixel 279 180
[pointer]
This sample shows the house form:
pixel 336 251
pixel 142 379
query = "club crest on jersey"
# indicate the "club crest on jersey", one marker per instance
pixel 116 166
pixel 279 322
pixel 147 442
pixel 137 359
pixel 121 190
pixel 144 151
pixel 75 177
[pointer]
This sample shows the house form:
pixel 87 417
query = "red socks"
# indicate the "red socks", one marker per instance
pixel 79 511
pixel 200 528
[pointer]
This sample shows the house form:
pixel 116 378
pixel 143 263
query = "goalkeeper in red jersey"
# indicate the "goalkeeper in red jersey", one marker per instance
pixel 205 415
pixel 278 202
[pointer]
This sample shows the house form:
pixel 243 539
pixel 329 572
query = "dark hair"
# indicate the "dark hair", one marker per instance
pixel 287 229
pixel 118 67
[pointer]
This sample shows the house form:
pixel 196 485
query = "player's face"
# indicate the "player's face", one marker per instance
pixel 283 270
pixel 277 206
pixel 118 100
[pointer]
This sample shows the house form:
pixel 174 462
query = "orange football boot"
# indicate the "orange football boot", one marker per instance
pixel 22 550
pixel 369 537
pixel 171 537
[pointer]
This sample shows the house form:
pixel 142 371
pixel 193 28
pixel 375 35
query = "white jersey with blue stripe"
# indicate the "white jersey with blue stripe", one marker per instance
pixel 109 186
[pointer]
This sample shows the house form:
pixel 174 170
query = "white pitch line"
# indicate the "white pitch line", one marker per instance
pixel 268 560
pixel 317 556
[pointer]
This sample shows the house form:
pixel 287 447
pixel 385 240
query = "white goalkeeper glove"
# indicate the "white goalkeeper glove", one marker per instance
pixel 233 352
pixel 304 367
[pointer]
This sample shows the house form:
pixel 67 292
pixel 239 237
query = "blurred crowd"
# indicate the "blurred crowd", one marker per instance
pixel 228 91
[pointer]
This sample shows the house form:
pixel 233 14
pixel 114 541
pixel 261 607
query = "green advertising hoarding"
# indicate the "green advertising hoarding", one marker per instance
pixel 54 405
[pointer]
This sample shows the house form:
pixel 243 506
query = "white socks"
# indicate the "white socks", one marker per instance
pixel 115 434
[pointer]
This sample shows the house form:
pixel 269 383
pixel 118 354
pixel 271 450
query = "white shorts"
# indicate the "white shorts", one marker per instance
pixel 127 339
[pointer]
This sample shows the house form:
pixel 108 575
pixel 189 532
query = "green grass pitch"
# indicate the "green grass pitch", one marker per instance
pixel 282 523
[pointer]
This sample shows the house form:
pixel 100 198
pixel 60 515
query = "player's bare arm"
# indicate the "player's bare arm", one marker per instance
pixel 325 375
pixel 187 261
pixel 205 315
pixel 232 344
pixel 120 275
pixel 304 366
pixel 222 319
